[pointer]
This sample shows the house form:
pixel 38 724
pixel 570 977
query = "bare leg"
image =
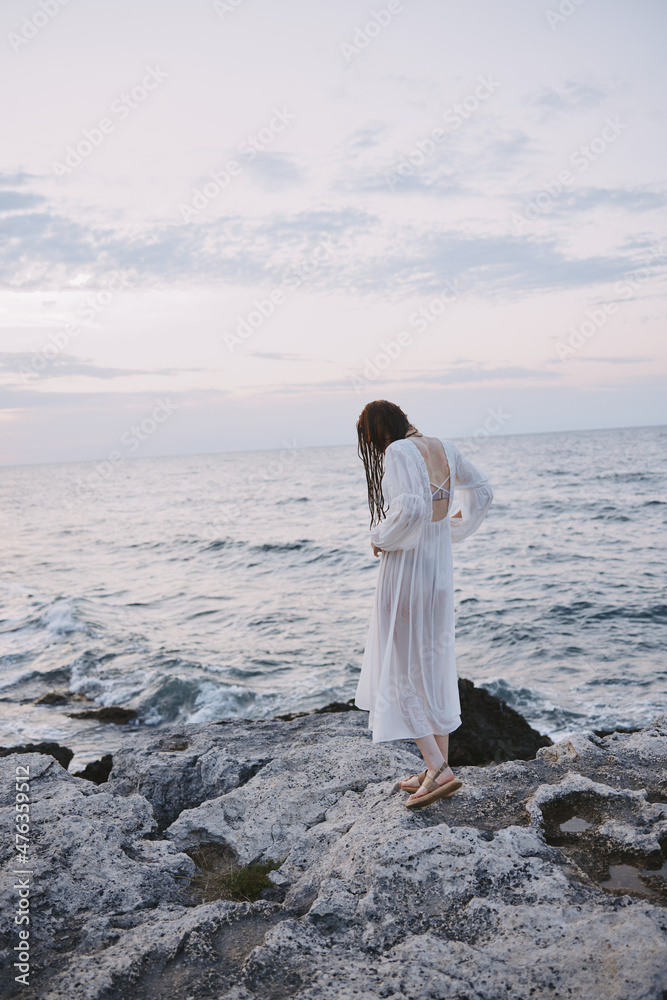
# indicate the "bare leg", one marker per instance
pixel 430 751
pixel 443 745
pixel 434 751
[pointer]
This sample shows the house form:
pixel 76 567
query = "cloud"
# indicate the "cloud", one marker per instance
pixel 316 224
pixel 499 153
pixel 572 95
pixel 371 255
pixel 610 361
pixel 45 248
pixel 367 137
pixel 397 177
pixel 420 262
pixel 462 376
pixel 284 356
pixel 274 171
pixel 638 199
pixel 10 201
pixel 16 179
pixel 61 365
pixel 422 377
pixel 440 168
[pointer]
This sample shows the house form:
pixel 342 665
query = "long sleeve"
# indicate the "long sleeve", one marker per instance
pixel 472 497
pixel 402 488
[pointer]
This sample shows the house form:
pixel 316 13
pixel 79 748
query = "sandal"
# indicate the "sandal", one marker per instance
pixel 436 791
pixel 415 788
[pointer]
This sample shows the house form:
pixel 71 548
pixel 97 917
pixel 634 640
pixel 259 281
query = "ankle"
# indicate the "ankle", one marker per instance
pixel 443 767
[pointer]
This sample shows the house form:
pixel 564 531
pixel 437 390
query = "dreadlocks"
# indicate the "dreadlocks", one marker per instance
pixel 379 423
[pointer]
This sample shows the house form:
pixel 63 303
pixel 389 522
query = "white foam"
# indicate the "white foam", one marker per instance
pixel 11 679
pixel 59 619
pixel 35 725
pixel 216 700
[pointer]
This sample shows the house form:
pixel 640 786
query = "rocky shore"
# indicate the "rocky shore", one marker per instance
pixel 541 877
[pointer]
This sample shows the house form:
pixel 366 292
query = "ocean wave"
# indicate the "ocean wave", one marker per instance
pixel 60 619
pixel 296 546
pixel 45 678
pixel 538 710
pixel 17 680
pixel 517 697
pixel 178 589
pixel 258 668
pixel 220 543
pixel 657 613
pixel 622 477
pixel 8 626
pixel 568 610
pixel 625 680
pixel 632 715
pixel 203 542
pixel 219 701
pixel 8 660
pixel 610 514
pixel 56 617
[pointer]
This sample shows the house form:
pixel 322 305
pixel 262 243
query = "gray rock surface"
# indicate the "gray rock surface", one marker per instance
pixel 495 892
pixel 92 861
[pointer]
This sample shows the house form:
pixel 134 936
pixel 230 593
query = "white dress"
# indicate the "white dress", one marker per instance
pixel 408 681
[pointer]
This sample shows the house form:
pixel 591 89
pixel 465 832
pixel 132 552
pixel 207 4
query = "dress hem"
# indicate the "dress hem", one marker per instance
pixel 391 739
pixel 417 736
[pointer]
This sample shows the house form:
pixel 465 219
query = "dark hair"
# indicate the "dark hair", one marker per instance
pixel 378 421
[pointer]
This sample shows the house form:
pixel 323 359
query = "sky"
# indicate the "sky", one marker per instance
pixel 229 225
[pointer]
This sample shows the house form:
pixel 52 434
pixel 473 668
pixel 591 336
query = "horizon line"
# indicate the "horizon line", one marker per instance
pixel 351 444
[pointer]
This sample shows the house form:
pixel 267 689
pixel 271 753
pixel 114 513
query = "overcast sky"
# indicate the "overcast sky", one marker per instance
pixel 233 224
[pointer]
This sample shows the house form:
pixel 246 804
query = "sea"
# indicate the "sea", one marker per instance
pixel 239 585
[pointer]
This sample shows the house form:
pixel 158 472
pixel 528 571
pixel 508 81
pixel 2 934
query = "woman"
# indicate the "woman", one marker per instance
pixel 408 681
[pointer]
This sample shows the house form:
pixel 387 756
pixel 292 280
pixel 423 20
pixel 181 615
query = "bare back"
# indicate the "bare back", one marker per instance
pixel 434 456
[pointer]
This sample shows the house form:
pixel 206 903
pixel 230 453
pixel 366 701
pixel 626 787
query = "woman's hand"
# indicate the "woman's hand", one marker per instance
pixel 376 550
